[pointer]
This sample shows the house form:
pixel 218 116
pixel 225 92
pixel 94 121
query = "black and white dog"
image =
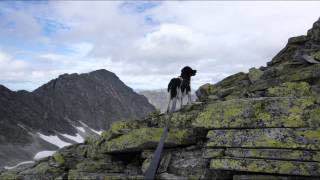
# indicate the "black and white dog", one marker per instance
pixel 180 87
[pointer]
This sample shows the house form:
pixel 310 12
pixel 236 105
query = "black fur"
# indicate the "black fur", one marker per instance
pixel 182 83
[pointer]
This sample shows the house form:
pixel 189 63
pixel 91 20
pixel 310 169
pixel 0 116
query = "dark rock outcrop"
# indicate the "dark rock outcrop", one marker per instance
pixel 96 99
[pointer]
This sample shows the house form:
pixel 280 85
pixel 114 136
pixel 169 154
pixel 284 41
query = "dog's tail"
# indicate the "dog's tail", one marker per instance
pixel 173 86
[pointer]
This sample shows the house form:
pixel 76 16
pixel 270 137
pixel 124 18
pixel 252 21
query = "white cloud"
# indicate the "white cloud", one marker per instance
pixel 216 38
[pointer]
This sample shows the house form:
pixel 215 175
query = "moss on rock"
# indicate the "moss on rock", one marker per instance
pixel 146 138
pixel 267 166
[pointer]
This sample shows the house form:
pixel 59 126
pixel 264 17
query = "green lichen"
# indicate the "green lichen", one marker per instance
pixel 280 154
pixel 266 138
pixel 316 55
pixel 267 166
pixel 145 138
pixel 9 176
pixel 212 153
pixel 59 159
pixel 44 168
pixel 256 113
pixel 255 74
pixel 299 89
pixel 314 116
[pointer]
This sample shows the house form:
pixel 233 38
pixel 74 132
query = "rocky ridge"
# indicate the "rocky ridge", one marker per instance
pixel 73 105
pixel 264 124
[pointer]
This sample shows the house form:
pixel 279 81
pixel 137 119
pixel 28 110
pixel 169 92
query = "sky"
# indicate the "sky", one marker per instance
pixel 144 43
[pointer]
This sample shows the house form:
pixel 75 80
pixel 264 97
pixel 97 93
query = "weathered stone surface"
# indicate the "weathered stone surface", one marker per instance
pixel 257 113
pixel 184 118
pixel 213 153
pixel 300 138
pixel 287 75
pixel 298 40
pixel 121 127
pixel 280 154
pixel 271 177
pixel 232 86
pixel 76 175
pixel 316 55
pixel 254 74
pixel 267 166
pixel 314 33
pixel 167 176
pixel 42 171
pixel 188 163
pixel 147 138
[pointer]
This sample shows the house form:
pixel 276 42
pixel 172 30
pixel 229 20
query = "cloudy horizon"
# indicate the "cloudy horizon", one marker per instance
pixel 144 43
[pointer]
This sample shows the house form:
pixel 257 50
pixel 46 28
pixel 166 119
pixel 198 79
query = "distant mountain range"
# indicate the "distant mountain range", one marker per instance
pixel 63 112
pixel 159 98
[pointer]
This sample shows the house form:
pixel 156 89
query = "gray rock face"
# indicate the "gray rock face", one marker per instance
pixel 96 99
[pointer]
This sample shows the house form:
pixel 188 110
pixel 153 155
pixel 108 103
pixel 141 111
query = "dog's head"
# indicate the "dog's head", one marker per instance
pixel 188 72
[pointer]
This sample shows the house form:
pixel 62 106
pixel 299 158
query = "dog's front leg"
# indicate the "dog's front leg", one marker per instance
pixel 189 98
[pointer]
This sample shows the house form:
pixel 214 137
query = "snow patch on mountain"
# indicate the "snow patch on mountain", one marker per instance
pixel 78 138
pixel 55 140
pixel 22 163
pixel 43 154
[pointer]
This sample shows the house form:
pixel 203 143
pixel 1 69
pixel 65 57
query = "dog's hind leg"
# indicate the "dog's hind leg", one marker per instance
pixel 169 103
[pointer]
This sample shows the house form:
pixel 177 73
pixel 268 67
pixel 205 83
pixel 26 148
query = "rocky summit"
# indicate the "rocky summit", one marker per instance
pixel 264 124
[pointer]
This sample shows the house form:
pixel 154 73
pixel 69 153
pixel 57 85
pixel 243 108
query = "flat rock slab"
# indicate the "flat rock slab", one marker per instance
pixel 148 138
pixel 267 166
pixel 260 113
pixel 279 154
pixel 289 138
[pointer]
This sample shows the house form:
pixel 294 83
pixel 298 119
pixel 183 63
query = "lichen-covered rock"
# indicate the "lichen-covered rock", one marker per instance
pixel 121 127
pixel 299 89
pixel 213 153
pixel 267 166
pixel 254 74
pixel 9 176
pixel 314 33
pixel 188 163
pixel 286 74
pixel 102 165
pixel 299 138
pixel 316 55
pixel 271 177
pixel 77 175
pixel 205 90
pixel 184 118
pixel 280 154
pixel 233 86
pixel 42 170
pixel 59 159
pixel 298 39
pixel 148 138
pixel 257 113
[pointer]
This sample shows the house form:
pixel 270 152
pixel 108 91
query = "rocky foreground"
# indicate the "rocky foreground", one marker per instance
pixel 264 124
